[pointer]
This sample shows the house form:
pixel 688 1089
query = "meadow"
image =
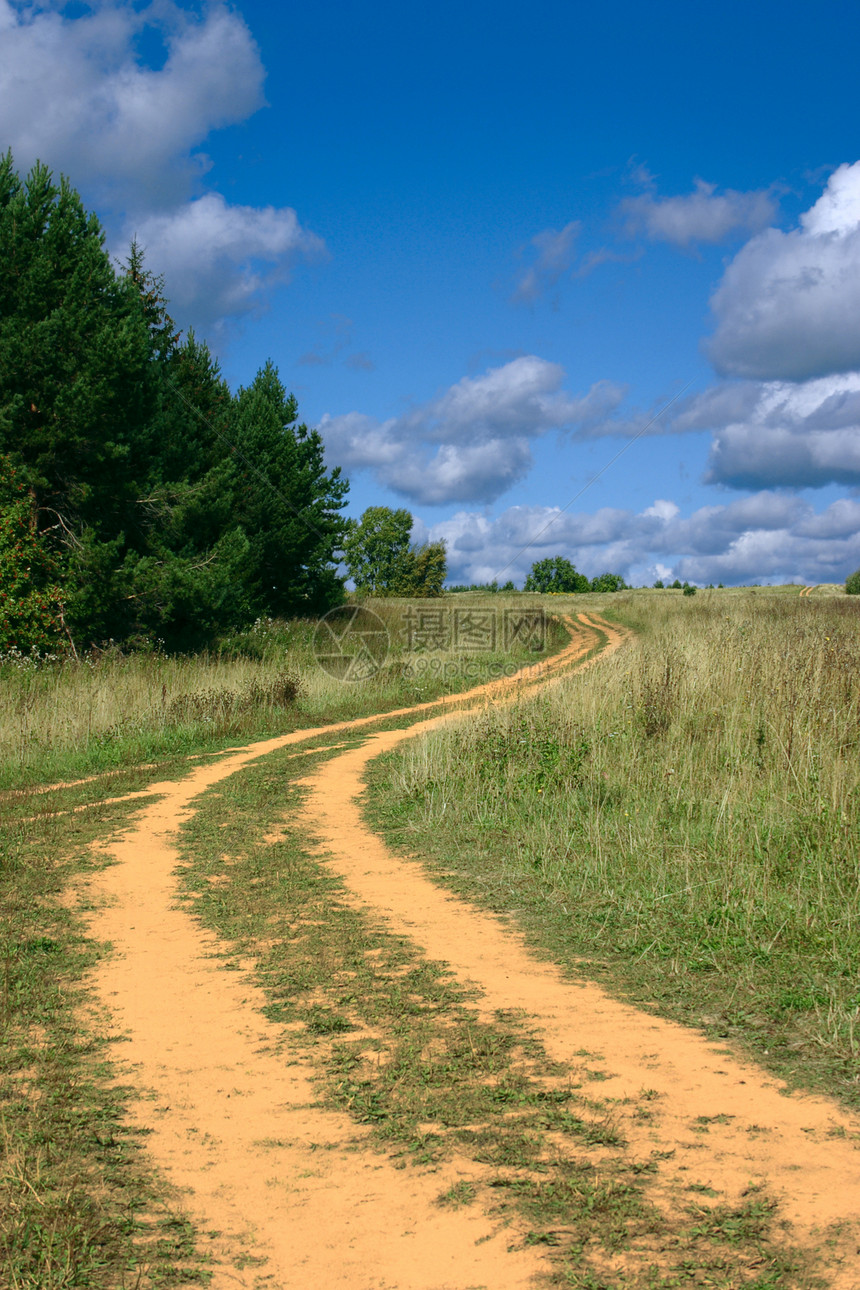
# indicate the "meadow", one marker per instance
pixel 682 821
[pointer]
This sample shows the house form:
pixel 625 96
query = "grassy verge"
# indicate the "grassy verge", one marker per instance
pixel 399 1046
pixel 686 819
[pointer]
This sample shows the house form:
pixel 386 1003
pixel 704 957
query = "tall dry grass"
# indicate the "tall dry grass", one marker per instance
pixel 65 716
pixel 691 805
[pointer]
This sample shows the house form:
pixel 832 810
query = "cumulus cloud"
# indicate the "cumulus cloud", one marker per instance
pixel 701 216
pixel 776 457
pixel 553 256
pixel 463 472
pixel 128 133
pixel 780 434
pixel 785 307
pixel 521 397
pixel 114 124
pixel 471 442
pixel 217 257
pixel 767 537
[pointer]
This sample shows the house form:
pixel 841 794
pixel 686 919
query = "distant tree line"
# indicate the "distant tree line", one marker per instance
pixel 688 588
pixel 139 497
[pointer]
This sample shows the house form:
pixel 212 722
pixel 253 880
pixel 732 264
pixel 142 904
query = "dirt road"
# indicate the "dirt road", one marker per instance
pixel 294 1198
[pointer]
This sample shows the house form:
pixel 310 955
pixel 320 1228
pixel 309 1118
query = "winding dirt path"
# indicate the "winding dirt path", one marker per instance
pixel 231 1116
pixel 295 1200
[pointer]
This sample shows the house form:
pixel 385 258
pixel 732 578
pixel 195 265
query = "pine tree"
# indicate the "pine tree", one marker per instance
pixel 76 384
pixel 287 504
pixel 171 508
pixel 31 601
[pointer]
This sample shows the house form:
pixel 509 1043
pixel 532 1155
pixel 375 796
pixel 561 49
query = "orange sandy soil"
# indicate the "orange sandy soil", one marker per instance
pixel 290 1195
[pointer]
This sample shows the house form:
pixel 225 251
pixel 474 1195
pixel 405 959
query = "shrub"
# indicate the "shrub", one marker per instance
pixel 852 583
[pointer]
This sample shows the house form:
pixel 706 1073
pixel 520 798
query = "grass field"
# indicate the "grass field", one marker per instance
pixel 686 819
pixel 111 710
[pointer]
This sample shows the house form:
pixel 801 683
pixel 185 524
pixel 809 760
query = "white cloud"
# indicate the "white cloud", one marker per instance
pixel 780 434
pixel 774 457
pixel 704 215
pixel 75 94
pixel 460 473
pixel 217 259
pixel 701 216
pixel 470 443
pixel 662 509
pixel 554 256
pixel 787 304
pixel 521 397
pixel 767 537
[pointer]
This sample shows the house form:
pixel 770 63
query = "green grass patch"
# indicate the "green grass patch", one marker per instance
pixel 682 823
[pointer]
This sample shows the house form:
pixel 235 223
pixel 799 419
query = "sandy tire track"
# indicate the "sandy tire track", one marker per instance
pixel 292 1199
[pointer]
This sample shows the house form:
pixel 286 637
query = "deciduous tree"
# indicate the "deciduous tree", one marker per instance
pixel 382 560
pixel 555 574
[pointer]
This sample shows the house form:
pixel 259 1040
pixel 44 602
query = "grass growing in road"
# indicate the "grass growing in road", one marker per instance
pixel 80 1205
pixel 686 819
pixel 400 1046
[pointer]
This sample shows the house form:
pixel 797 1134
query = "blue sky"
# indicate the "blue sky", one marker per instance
pixel 490 246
